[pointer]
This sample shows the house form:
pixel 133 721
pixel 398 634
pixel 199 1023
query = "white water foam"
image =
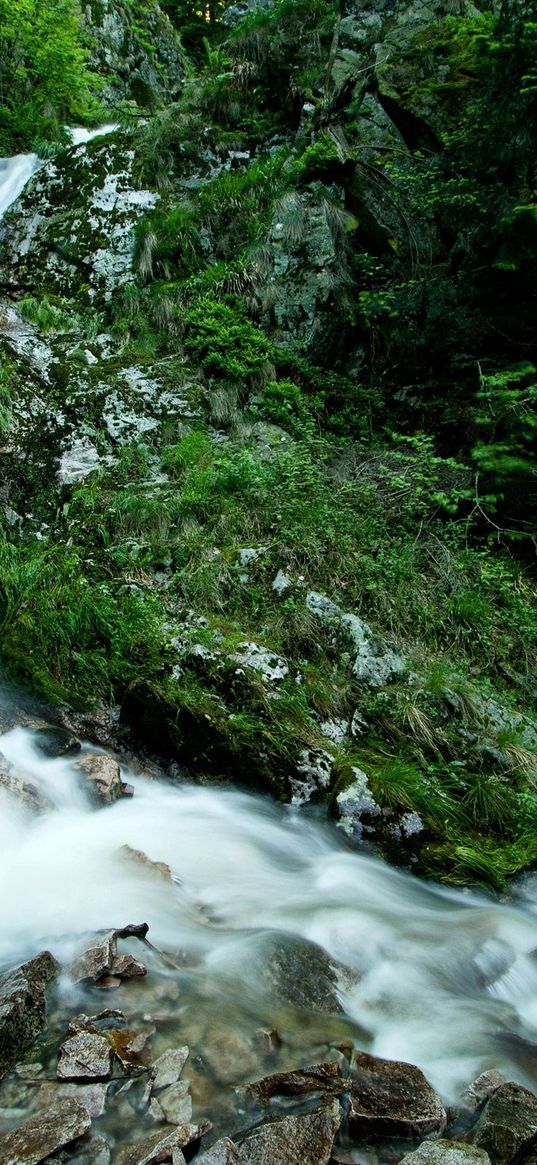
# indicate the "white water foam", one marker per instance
pixel 436 974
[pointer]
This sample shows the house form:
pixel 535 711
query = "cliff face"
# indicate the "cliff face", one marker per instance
pixel 267 412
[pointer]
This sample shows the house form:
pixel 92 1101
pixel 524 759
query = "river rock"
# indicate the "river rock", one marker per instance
pixel 294 1140
pixel 99 958
pixel 224 1152
pixel 23 1006
pixel 176 1103
pixel 481 1089
pixel 301 973
pixel 102 777
pixel 390 1098
pixel 85 1056
pixel 167 1069
pixel 162 1146
pixel 89 1151
pixel 44 1134
pixel 446 1153
pixel 302 1082
pixel 507 1127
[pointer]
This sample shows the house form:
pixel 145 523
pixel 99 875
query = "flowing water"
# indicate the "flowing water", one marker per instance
pixel 445 979
pixel 15 173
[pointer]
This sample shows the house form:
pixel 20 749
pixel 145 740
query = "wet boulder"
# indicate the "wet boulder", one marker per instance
pixel 44 1134
pixel 23 1006
pixel 301 973
pixel 102 777
pixel 507 1127
pixel 52 741
pixel 99 958
pixel 294 1140
pixel 224 1152
pixel 390 1098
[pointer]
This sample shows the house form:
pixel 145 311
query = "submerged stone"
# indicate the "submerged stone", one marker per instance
pixel 85 1056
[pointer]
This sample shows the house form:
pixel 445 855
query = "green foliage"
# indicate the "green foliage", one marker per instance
pixel 223 340
pixel 44 77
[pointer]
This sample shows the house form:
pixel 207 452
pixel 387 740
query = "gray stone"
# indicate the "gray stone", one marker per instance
pixel 375 663
pixel 102 777
pixel 99 959
pixel 43 1134
pixel 294 1140
pixel 314 772
pixel 356 807
pixel 23 1006
pixel 224 1152
pixel 446 1153
pixel 167 1069
pixel 85 1056
pixel 389 1098
pixel 176 1103
pixel 481 1090
pixel 260 659
pixel 91 1096
pixel 507 1127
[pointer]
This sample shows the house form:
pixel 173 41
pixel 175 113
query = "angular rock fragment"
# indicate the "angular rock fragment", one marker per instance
pixel 91 1096
pixel 176 1103
pixel 102 777
pixel 294 1140
pixel 139 858
pixel 130 1048
pixel 167 1069
pixel 224 1152
pixel 391 1098
pixel 507 1127
pixel 85 1056
pixel 99 958
pixel 302 1082
pixel 481 1089
pixel 23 1006
pixel 44 1134
pixel 161 1146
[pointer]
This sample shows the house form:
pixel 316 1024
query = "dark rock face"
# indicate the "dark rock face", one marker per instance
pixel 389 1098
pixel 44 1134
pixel 53 741
pixel 23 1007
pixel 294 1140
pixel 507 1127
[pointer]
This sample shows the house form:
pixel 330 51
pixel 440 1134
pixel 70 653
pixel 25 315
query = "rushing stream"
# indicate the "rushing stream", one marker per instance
pixel 444 979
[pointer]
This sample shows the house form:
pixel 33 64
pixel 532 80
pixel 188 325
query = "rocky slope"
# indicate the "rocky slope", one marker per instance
pixel 245 350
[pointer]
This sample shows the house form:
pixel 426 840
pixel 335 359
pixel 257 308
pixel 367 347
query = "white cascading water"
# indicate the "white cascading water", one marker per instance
pixel 16 172
pixel 440 978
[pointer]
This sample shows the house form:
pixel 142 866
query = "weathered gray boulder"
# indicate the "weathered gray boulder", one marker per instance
pixel 389 1098
pixel 481 1089
pixel 44 1134
pixel 507 1127
pixel 102 777
pixel 294 1140
pixel 85 1056
pixel 23 1006
pixel 446 1153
